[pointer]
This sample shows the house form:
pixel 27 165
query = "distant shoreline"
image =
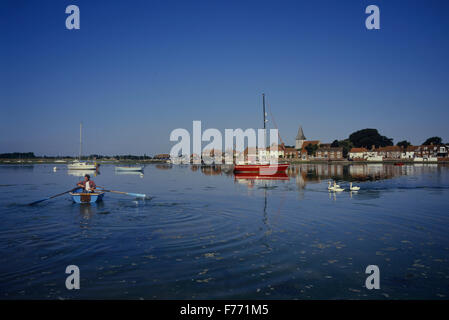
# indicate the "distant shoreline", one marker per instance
pixel 66 161
pixel 388 161
pixel 291 161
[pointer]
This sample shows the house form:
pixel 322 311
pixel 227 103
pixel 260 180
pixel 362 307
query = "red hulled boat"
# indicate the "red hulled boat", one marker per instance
pixel 261 169
pixel 255 176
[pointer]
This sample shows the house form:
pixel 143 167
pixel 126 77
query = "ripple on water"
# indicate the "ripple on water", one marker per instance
pixel 213 238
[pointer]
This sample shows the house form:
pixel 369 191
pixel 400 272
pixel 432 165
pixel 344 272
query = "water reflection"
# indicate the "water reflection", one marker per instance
pixel 132 173
pixel 87 212
pixel 316 173
pixel 311 173
pixel 163 166
pixel 252 179
pixel 17 166
pixel 82 173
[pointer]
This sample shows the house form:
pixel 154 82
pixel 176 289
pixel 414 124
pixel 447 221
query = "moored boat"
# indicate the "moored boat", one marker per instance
pixel 129 168
pixel 87 197
pixel 261 169
pixel 82 165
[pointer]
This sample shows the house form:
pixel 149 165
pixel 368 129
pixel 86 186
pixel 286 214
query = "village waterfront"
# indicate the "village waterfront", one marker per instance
pixel 206 233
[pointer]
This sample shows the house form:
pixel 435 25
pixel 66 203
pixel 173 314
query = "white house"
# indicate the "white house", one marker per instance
pixel 357 153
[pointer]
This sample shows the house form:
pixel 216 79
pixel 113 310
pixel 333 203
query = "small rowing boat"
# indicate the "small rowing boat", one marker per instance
pixel 87 197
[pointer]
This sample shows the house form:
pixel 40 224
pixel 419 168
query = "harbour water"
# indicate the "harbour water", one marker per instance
pixel 206 234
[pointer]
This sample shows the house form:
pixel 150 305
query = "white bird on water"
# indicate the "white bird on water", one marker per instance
pixel 336 187
pixel 353 188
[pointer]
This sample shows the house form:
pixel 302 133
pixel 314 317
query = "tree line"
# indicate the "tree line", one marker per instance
pixel 367 138
pixel 31 155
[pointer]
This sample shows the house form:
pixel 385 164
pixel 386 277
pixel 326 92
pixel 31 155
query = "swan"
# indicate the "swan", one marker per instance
pixel 334 188
pixel 336 185
pixel 355 188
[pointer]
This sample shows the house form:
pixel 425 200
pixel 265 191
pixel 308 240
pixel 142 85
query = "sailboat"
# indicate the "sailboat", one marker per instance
pixel 261 168
pixel 81 165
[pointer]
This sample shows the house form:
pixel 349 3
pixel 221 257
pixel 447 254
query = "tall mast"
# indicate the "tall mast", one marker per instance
pixel 264 120
pixel 263 101
pixel 81 127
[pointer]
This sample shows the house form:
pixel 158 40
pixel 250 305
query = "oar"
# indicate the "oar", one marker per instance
pixel 137 195
pixel 57 195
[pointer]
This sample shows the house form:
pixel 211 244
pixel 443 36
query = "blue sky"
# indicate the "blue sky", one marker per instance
pixel 136 70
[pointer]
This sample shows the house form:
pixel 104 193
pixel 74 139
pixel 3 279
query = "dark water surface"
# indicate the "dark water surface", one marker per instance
pixel 208 234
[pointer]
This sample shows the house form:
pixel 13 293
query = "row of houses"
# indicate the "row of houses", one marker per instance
pixel 326 152
pixel 322 152
pixel 415 153
pixel 307 150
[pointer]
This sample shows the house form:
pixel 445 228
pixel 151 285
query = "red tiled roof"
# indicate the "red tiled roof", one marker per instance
pixel 358 150
pixel 307 142
pixel 389 148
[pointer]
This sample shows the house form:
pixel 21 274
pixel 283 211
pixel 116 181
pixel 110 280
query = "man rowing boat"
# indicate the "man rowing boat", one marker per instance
pixel 88 185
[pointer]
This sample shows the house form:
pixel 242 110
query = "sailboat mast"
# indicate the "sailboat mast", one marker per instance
pixel 264 121
pixel 81 128
pixel 263 101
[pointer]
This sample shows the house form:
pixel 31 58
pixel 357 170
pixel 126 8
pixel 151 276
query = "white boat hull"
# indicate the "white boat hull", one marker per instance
pixel 133 169
pixel 81 166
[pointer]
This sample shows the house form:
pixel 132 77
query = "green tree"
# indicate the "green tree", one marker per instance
pixel 346 145
pixel 403 144
pixel 433 140
pixel 335 144
pixel 368 137
pixel 311 149
pixel 18 155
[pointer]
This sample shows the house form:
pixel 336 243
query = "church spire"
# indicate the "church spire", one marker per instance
pixel 300 135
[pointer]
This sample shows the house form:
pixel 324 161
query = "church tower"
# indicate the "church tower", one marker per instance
pixel 300 138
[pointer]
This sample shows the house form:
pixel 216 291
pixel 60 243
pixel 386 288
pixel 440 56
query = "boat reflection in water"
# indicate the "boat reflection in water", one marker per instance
pixel 163 166
pixel 132 173
pixel 82 173
pixel 252 179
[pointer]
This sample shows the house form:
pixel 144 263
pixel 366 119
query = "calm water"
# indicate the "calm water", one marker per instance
pixel 208 234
